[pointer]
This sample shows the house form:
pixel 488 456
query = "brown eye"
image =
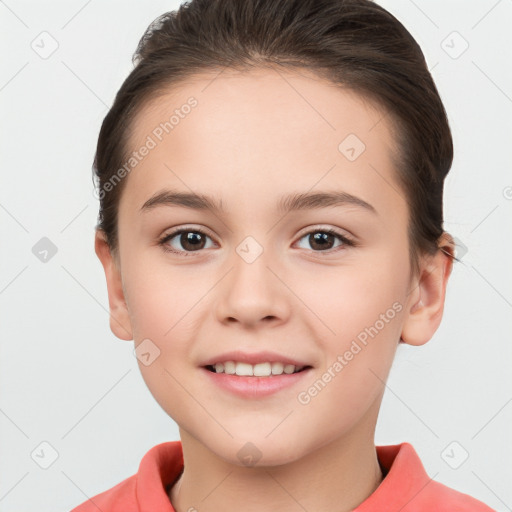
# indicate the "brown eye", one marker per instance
pixel 184 241
pixel 192 241
pixel 321 240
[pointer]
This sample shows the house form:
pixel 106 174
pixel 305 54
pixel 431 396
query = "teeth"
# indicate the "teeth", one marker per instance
pixel 229 367
pixel 277 368
pixel 262 370
pixel 244 369
pixel 257 370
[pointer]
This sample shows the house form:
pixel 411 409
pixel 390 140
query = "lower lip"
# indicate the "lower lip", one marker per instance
pixel 255 387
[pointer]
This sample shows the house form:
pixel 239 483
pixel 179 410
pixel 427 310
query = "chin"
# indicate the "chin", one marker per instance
pixel 257 450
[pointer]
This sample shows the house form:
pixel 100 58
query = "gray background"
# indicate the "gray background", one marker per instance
pixel 67 381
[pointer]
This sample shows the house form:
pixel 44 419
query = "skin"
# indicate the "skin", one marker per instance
pixel 254 137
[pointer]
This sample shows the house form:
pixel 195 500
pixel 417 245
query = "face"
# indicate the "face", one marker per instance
pixel 325 284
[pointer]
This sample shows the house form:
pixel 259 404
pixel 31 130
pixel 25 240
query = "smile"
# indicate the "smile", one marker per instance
pixel 265 369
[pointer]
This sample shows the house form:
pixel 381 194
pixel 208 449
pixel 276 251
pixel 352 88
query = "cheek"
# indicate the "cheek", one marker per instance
pixel 350 382
pixel 163 305
pixel 352 298
pixel 162 299
pixel 358 323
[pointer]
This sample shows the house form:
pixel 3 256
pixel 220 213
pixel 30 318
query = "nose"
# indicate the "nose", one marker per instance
pixel 253 292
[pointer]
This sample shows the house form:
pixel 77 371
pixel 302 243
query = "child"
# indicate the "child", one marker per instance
pixel 305 143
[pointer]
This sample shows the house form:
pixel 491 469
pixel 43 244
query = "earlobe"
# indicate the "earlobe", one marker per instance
pixel 120 323
pixel 426 304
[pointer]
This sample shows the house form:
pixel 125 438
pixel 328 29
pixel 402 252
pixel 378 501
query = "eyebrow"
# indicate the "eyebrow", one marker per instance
pixel 292 202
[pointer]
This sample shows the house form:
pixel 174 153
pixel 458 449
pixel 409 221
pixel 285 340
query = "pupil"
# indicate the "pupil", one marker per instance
pixel 321 239
pixel 194 239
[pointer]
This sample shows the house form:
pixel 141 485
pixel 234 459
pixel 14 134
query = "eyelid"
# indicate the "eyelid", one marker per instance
pixel 187 227
pixel 326 229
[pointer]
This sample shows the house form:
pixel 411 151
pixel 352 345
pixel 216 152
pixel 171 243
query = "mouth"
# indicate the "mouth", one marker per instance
pixel 264 369
pixel 256 381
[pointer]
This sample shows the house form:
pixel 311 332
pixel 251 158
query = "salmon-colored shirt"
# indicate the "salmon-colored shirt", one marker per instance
pixel 405 488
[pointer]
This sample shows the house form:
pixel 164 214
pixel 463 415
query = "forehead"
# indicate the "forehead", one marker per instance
pixel 258 133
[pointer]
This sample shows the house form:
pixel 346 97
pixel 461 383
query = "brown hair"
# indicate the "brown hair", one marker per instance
pixel 355 44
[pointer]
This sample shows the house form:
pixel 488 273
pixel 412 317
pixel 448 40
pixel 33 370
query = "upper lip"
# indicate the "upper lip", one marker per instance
pixel 253 358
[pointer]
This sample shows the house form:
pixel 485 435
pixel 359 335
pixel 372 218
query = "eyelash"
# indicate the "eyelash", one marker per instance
pixel 348 242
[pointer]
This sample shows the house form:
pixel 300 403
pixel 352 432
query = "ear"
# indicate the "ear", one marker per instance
pixel 426 299
pixel 120 323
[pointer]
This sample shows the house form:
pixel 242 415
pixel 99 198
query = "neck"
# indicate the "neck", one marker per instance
pixel 335 477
